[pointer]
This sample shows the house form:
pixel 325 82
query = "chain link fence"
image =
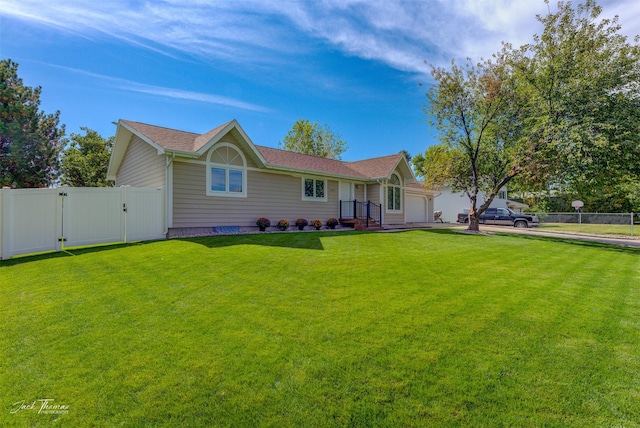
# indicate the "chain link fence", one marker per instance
pixel 601 223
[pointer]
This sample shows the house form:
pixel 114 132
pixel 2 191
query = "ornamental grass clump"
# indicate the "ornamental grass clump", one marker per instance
pixel 317 224
pixel 301 223
pixel 283 224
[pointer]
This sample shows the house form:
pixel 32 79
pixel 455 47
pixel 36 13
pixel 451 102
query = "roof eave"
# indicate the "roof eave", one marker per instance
pixel 304 171
pixel 143 137
pixel 182 153
pixel 121 142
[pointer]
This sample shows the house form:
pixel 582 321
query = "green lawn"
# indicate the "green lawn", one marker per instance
pixel 419 328
pixel 604 229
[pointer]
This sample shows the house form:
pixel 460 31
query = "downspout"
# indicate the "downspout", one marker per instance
pixel 168 188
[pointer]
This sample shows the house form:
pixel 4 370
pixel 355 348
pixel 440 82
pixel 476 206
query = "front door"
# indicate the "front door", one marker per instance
pixel 346 193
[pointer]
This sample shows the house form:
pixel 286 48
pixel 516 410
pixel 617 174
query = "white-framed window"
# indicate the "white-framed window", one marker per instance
pixel 314 189
pixel 226 171
pixel 394 194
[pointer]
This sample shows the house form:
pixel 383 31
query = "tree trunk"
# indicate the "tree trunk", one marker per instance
pixel 474 223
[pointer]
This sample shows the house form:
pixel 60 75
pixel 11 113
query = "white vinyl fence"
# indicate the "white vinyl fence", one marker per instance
pixel 35 220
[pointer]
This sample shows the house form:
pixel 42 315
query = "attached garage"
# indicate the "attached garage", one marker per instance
pixel 416 207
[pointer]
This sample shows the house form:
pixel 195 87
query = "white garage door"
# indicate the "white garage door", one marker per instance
pixel 416 209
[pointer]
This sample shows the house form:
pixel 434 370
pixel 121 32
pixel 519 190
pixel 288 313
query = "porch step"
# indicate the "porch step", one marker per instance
pixel 358 224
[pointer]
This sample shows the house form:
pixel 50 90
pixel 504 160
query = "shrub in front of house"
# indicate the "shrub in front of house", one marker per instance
pixel 332 223
pixel 263 223
pixel 301 223
pixel 283 224
pixel 317 224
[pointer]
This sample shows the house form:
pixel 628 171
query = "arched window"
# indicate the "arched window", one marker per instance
pixel 226 171
pixel 394 194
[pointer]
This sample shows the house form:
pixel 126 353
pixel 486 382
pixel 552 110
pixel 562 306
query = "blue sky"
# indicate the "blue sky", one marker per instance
pixel 192 65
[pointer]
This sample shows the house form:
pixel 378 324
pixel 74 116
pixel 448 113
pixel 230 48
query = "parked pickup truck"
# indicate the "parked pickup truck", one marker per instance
pixel 503 216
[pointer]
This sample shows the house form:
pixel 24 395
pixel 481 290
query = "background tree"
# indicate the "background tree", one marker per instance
pixel 562 112
pixel 435 166
pixel 30 140
pixel 582 80
pixel 406 155
pixel 313 139
pixel 85 161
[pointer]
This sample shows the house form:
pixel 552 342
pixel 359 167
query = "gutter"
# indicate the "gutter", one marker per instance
pixel 315 172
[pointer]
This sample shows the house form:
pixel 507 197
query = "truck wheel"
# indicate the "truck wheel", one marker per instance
pixel 521 224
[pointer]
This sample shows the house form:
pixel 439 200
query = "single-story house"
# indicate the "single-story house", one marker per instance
pixel 221 178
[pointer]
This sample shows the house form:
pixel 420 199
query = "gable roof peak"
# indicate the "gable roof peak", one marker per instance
pixel 192 145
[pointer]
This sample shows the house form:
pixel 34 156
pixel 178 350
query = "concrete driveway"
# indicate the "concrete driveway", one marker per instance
pixel 625 241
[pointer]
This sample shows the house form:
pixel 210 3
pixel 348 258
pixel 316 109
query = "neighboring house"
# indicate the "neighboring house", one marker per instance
pixel 220 178
pixel 452 203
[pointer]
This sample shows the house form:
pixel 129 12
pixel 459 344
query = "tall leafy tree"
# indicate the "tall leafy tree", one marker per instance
pixel 313 139
pixel 85 161
pixel 477 109
pixel 30 140
pixel 582 80
pixel 562 111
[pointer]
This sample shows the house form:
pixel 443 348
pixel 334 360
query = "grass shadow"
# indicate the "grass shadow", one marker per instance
pixel 569 241
pixel 572 241
pixel 71 252
pixel 306 241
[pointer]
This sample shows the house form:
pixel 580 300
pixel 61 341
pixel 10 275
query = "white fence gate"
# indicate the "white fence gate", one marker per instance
pixel 35 220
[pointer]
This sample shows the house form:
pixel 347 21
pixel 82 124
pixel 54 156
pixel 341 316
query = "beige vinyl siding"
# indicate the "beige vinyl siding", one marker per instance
pixel 141 166
pixel 275 196
pixel 373 193
pixel 359 192
pixel 393 218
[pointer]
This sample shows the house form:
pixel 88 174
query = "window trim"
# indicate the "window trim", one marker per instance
pixel 314 198
pixel 227 168
pixel 396 188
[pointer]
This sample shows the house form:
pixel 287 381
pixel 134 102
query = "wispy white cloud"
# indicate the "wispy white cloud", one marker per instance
pixel 399 33
pixel 161 91
pixel 193 96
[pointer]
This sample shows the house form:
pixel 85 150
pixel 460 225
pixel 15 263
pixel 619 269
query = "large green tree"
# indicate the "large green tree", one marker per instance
pixel 85 161
pixel 313 139
pixel 581 78
pixel 30 140
pixel 478 110
pixel 562 112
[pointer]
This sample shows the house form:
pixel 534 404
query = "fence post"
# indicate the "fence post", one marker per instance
pixel 5 223
pixel 632 223
pixel 60 215
pixel 580 220
pixel 124 198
